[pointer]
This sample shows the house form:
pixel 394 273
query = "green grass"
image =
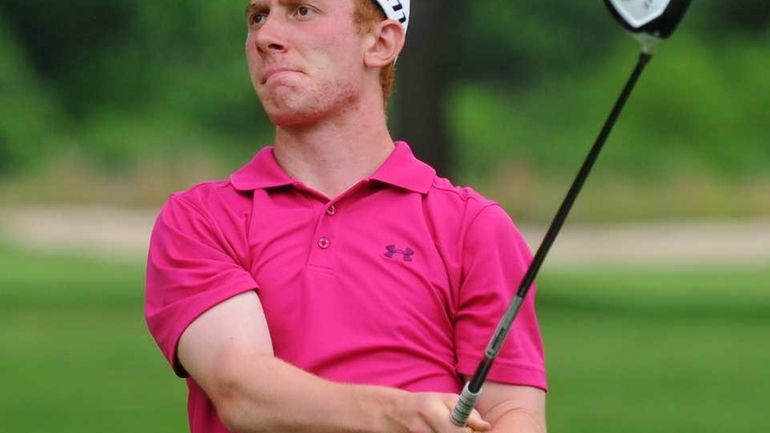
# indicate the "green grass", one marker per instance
pixel 631 350
pixel 643 350
pixel 76 355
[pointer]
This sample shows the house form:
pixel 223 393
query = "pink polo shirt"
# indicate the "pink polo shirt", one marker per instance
pixel 400 281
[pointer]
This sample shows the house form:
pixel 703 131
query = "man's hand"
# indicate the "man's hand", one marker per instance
pixel 430 413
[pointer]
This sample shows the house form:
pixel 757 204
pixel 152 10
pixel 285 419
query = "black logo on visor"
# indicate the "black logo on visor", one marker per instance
pixel 398 7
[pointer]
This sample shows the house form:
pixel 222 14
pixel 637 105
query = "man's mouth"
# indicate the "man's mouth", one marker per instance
pixel 272 72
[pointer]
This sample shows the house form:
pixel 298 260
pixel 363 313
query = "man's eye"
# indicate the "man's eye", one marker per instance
pixel 304 11
pixel 257 18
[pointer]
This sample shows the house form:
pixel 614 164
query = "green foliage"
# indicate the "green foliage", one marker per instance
pixel 123 85
pixel 516 42
pixel 696 109
pixel 140 81
pixel 30 121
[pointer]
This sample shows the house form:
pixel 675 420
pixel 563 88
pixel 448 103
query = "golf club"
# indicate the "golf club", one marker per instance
pixel 649 21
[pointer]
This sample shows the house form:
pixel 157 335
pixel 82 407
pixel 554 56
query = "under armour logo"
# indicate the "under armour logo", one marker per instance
pixel 407 253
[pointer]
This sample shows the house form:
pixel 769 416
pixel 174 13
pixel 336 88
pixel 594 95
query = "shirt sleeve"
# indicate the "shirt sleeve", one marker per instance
pixel 191 267
pixel 495 257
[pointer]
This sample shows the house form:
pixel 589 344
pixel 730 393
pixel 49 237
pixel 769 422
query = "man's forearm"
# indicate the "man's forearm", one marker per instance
pixel 516 420
pixel 228 352
pixel 269 395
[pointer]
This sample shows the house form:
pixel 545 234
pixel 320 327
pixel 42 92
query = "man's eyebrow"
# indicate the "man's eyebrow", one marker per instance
pixel 254 5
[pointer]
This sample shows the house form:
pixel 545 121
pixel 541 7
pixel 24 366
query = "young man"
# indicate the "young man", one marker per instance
pixel 335 283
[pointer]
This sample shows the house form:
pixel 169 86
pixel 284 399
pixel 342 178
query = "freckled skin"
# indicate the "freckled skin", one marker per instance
pixel 327 50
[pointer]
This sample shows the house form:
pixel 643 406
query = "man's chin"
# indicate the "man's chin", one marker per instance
pixel 284 110
pixel 292 118
pixel 294 112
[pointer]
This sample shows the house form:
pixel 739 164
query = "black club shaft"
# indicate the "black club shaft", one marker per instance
pixel 473 388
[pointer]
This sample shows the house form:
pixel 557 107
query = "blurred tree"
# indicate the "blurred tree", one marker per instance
pixel 64 42
pixel 509 44
pixel 130 75
pixel 744 16
pixel 28 117
pixel 516 43
pixel 423 82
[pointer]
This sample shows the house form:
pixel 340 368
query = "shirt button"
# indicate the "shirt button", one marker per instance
pixel 331 210
pixel 324 243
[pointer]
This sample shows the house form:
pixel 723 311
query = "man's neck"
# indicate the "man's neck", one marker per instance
pixel 333 155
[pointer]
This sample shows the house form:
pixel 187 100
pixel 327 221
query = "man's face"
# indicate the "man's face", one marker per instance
pixel 305 58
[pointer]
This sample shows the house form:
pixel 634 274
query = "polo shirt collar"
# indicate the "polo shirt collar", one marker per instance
pixel 401 169
pixel 404 170
pixel 262 172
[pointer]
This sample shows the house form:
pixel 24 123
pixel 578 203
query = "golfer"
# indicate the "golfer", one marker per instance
pixel 335 283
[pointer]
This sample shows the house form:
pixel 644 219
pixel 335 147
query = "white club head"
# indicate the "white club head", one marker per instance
pixel 648 20
pixel 639 12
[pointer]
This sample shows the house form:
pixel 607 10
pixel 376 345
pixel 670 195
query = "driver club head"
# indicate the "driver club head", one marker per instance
pixel 648 20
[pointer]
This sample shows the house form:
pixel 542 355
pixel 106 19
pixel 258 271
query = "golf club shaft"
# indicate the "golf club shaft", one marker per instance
pixel 472 389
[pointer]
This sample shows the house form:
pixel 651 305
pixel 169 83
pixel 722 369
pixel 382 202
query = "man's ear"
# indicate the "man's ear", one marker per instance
pixel 385 44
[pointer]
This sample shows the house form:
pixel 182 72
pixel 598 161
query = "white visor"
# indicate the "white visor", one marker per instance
pixel 396 10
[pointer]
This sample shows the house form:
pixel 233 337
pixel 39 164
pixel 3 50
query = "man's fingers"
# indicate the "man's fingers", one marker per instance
pixel 477 423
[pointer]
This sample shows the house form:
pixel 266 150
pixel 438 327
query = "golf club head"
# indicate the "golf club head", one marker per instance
pixel 648 20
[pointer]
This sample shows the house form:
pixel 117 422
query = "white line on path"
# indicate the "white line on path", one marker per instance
pixel 123 234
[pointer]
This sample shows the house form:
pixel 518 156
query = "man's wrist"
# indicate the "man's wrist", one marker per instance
pixel 377 405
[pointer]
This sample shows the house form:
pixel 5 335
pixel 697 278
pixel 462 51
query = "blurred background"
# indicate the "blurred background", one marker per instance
pixel 655 304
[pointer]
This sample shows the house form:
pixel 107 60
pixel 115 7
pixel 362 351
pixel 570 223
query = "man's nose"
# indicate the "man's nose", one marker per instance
pixel 271 36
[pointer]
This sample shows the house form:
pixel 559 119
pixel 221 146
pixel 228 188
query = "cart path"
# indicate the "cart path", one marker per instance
pixel 123 234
